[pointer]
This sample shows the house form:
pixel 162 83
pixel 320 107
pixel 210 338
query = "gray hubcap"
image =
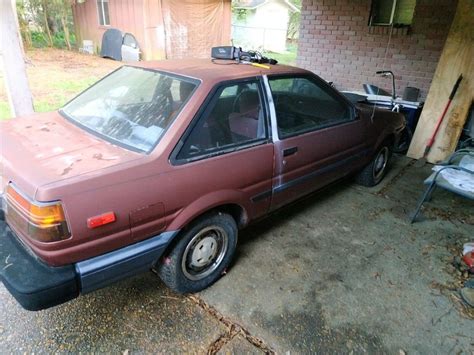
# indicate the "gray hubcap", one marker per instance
pixel 204 253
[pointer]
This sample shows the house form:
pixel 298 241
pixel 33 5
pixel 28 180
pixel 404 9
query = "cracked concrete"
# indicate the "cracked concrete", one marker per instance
pixel 341 271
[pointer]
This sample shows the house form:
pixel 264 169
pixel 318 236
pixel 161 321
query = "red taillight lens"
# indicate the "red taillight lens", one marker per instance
pixel 44 222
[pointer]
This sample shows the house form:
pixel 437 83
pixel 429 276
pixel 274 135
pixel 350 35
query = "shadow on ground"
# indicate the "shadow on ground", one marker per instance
pixel 344 271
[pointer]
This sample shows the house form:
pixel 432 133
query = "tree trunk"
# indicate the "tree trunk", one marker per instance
pixel 14 69
pixel 66 30
pixel 46 25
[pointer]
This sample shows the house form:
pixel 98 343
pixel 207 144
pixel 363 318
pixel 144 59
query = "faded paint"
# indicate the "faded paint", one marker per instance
pixel 146 193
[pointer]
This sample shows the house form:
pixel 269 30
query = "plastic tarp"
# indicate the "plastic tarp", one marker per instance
pixel 192 27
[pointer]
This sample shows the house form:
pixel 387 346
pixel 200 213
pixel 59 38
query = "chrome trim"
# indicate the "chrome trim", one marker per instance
pixel 271 105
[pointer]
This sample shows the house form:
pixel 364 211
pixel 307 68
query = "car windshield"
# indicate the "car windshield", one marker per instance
pixel 132 106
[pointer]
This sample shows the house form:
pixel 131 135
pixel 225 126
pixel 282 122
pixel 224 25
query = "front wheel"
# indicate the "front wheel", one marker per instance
pixel 201 255
pixel 375 171
pixel 404 141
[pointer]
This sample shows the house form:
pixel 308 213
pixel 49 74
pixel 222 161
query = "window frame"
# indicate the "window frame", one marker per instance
pixel 101 12
pixel 392 15
pixel 325 87
pixel 206 107
pixel 118 143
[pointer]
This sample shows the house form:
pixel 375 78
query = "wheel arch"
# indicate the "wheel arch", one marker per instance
pixel 222 201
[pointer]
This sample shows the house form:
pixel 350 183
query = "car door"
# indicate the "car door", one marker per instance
pixel 226 155
pixel 130 50
pixel 317 133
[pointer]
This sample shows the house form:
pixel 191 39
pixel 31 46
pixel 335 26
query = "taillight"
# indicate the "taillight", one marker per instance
pixel 44 222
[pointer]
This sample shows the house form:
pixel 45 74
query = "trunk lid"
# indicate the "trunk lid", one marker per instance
pixel 44 148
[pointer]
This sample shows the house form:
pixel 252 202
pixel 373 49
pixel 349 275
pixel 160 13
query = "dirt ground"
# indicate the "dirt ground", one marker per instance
pixel 56 76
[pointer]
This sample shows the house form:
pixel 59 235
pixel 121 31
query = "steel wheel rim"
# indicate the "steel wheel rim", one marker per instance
pixel 380 163
pixel 204 253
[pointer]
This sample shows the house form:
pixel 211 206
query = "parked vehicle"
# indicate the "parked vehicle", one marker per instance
pixel 159 165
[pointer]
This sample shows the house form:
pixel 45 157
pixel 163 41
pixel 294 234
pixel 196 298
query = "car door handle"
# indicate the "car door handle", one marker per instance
pixel 289 151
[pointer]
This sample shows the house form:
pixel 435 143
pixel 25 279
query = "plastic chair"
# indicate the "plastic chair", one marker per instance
pixel 457 161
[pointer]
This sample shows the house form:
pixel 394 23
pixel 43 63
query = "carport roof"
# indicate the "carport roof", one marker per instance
pixel 207 70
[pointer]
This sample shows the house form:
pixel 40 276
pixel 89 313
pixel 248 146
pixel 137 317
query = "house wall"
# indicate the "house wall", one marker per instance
pixel 163 28
pixel 335 43
pixel 126 15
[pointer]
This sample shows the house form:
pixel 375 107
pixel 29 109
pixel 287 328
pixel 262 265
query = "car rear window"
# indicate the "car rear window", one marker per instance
pixel 132 106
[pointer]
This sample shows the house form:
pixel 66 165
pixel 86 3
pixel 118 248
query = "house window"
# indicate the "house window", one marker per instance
pixel 398 13
pixel 103 8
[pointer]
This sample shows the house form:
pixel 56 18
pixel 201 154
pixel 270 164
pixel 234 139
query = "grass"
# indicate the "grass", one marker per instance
pixel 61 91
pixel 4 111
pixel 73 85
pixel 289 57
pixel 56 76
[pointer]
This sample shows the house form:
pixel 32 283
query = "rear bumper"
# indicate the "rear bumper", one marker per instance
pixel 37 286
pixel 34 284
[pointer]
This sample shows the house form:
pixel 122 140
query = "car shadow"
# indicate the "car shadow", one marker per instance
pixel 286 213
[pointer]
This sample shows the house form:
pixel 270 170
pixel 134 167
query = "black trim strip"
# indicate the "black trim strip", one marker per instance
pixel 302 179
pixel 261 196
pixel 319 172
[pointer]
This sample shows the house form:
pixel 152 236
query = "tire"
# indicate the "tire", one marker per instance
pixel 375 171
pixel 404 142
pixel 201 255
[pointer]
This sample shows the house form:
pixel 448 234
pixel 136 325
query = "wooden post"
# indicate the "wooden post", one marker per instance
pixel 457 58
pixel 14 69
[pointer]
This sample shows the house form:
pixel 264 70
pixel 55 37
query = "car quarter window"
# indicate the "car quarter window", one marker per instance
pixel 302 104
pixel 233 119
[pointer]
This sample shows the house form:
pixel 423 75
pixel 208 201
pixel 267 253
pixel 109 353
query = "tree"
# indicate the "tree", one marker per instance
pixel 44 5
pixel 53 19
pixel 14 69
pixel 294 21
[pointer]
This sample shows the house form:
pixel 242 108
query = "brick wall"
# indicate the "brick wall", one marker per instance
pixel 336 43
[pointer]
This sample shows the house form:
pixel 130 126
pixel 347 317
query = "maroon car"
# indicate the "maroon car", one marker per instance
pixel 159 165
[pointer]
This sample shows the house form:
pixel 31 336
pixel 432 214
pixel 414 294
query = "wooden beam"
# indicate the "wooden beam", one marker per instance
pixel 457 58
pixel 14 69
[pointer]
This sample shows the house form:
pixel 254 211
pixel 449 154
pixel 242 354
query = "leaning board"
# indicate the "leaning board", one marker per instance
pixel 457 58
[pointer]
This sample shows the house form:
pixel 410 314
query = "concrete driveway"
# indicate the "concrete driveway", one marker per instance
pixel 342 271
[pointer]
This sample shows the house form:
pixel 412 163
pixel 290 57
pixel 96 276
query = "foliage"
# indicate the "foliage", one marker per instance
pixel 38 40
pixel 294 22
pixel 240 14
pixel 46 23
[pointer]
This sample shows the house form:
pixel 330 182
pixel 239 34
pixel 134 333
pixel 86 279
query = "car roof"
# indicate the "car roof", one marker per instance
pixel 218 70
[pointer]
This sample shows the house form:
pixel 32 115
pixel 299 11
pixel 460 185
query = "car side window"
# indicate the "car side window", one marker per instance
pixel 233 119
pixel 304 105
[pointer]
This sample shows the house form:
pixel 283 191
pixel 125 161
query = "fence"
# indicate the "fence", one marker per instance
pixel 259 38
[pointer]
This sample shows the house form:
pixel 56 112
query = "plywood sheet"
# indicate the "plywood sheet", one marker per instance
pixel 457 58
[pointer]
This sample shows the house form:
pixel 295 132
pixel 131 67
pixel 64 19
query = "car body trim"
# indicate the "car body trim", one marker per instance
pixel 321 171
pixel 282 187
pixel 105 269
pixel 261 196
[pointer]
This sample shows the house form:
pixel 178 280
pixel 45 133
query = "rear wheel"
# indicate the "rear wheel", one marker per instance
pixel 375 171
pixel 201 255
